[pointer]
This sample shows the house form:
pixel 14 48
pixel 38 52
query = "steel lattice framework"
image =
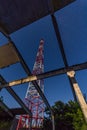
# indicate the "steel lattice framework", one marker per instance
pixel 14 18
pixel 33 100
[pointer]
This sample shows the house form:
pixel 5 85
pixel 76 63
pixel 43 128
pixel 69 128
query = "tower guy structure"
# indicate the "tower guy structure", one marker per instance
pixel 32 98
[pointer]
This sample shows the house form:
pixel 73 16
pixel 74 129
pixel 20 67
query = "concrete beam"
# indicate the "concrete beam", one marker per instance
pixel 45 75
pixel 78 93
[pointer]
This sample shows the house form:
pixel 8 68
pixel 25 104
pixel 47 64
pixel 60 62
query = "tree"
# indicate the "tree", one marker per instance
pixel 4 124
pixel 68 116
pixel 1 98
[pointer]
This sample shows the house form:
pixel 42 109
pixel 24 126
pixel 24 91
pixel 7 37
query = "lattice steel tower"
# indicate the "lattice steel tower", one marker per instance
pixel 32 98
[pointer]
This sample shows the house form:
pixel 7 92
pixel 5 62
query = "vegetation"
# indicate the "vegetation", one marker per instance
pixel 68 116
pixel 4 124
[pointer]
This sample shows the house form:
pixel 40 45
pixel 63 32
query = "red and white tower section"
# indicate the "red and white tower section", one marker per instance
pixel 32 98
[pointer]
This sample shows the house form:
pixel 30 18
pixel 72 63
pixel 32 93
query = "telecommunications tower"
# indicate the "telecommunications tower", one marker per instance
pixel 32 99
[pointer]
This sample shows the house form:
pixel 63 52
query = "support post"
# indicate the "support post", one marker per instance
pixel 79 95
pixel 53 121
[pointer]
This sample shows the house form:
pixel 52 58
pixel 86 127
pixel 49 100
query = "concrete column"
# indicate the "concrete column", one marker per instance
pixel 78 93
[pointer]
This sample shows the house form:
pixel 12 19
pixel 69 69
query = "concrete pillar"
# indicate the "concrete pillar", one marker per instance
pixel 78 93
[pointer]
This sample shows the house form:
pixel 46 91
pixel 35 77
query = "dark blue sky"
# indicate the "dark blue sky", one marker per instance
pixel 72 22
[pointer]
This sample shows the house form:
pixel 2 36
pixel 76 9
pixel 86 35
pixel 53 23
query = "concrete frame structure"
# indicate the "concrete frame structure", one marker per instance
pixel 66 70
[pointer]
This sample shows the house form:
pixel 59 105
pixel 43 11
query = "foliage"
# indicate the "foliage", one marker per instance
pixel 68 116
pixel 5 124
pixel 1 98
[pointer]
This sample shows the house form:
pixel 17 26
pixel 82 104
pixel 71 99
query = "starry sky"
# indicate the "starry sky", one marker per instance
pixel 72 21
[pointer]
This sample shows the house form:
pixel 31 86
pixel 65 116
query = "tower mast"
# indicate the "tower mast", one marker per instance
pixel 32 98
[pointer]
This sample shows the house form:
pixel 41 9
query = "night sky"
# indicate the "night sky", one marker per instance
pixel 72 21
